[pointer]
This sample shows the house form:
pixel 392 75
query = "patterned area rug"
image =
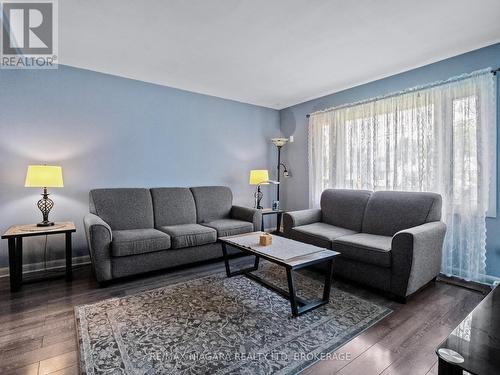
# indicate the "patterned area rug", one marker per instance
pixel 218 325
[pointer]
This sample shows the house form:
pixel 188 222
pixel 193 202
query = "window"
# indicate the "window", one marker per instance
pixel 440 139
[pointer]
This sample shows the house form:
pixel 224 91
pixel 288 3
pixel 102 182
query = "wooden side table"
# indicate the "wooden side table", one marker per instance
pixel 270 211
pixel 15 235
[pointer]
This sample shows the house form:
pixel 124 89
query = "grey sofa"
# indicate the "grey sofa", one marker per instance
pixel 387 239
pixel 131 231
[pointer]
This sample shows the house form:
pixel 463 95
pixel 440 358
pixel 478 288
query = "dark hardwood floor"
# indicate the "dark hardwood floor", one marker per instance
pixel 37 327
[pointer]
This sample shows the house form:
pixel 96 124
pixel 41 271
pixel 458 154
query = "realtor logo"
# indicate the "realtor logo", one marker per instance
pixel 29 34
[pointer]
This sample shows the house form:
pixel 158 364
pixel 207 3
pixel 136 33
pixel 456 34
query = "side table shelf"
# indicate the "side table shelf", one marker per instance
pixel 279 215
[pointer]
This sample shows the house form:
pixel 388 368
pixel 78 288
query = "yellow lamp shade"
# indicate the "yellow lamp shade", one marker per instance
pixel 259 176
pixel 44 176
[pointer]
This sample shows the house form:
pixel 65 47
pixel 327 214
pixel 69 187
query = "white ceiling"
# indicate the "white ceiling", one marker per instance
pixel 273 53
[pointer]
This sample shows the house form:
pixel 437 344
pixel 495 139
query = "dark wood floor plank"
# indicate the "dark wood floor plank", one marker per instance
pixel 71 370
pixel 407 347
pixel 37 355
pixel 434 369
pixel 343 356
pixel 38 333
pixel 419 357
pixel 58 363
pixel 54 337
pixel 20 346
pixel 372 362
pixel 31 369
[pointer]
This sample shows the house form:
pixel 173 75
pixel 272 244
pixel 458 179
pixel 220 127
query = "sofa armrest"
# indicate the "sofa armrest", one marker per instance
pixel 99 238
pixel 248 214
pixel 302 217
pixel 416 257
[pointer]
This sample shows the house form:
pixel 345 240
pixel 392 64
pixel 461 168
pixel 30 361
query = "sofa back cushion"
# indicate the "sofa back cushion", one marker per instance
pixel 123 208
pixel 173 206
pixel 344 208
pixel 388 212
pixel 212 202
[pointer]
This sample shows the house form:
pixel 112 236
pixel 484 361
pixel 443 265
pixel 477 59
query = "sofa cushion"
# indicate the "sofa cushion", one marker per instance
pixel 186 235
pixel 388 212
pixel 364 247
pixel 123 208
pixel 212 202
pixel 230 227
pixel 173 206
pixel 319 234
pixel 138 241
pixel 344 208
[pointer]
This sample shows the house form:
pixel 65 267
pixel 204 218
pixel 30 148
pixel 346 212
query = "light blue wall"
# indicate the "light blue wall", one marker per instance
pixel 295 190
pixel 107 131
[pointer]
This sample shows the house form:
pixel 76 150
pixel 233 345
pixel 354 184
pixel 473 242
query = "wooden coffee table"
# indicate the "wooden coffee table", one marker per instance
pixel 292 255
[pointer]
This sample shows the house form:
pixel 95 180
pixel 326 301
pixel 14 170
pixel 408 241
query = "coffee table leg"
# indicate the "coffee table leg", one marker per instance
pixel 291 291
pixel 328 281
pixel 226 260
pixel 256 263
pixel 243 271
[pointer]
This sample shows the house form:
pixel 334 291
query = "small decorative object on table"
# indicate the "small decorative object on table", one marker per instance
pixel 44 176
pixel 265 239
pixel 276 205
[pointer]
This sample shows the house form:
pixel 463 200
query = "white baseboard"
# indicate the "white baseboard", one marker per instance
pixel 492 280
pixel 485 279
pixel 51 264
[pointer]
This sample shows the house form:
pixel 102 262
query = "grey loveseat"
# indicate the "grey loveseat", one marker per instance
pixel 133 230
pixel 387 239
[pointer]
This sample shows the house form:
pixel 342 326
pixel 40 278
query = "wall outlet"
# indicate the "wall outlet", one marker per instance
pixel 290 139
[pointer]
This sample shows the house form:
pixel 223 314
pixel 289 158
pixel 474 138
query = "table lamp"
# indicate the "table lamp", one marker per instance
pixel 44 176
pixel 259 177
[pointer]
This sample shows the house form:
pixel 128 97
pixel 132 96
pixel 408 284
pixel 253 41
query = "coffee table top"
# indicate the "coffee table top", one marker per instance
pixel 282 250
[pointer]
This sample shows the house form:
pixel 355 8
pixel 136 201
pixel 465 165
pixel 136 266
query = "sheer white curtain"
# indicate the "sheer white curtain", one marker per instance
pixel 439 138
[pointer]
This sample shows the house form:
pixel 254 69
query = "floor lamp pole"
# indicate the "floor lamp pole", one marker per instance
pixel 278 176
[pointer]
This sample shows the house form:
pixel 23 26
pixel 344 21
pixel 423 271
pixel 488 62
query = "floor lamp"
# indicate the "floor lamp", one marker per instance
pixel 279 143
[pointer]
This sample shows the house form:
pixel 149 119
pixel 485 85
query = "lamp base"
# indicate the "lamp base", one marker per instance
pixel 45 205
pixel 258 198
pixel 45 224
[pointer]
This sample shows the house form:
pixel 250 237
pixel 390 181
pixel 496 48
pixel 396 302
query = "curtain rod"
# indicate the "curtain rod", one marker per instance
pixel 492 71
